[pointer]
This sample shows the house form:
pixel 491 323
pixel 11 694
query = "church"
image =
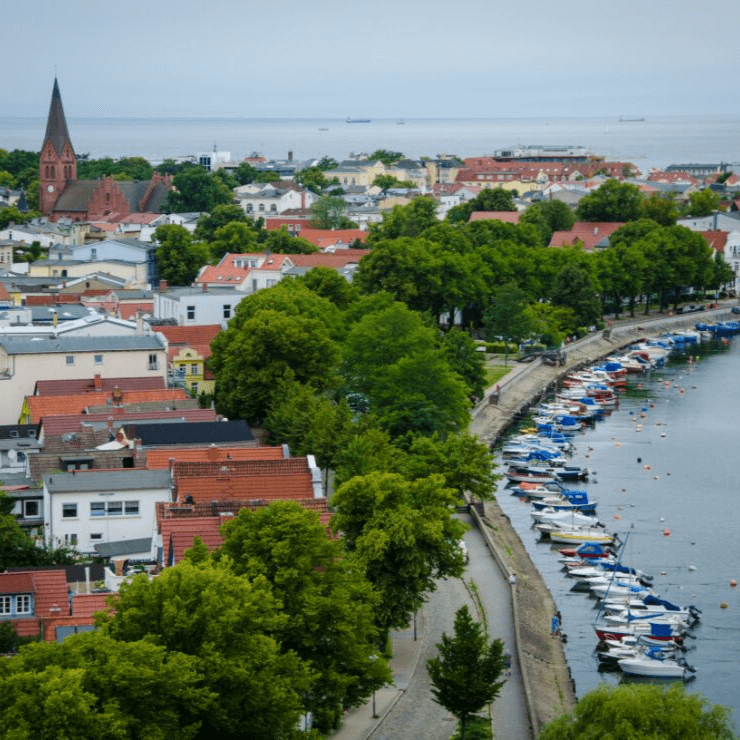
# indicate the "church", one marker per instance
pixel 62 195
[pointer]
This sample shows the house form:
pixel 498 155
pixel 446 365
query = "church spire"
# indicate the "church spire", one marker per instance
pixel 56 124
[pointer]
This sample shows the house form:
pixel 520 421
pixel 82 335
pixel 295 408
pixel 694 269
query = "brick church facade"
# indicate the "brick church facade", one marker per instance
pixel 62 195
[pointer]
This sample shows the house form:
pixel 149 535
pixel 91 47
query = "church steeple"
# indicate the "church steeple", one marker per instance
pixel 57 163
pixel 56 124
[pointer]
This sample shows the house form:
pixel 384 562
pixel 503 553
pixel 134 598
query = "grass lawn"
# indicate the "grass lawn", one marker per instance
pixel 494 373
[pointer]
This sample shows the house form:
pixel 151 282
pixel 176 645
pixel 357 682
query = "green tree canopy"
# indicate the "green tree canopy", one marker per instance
pixel 196 190
pixel 613 201
pixel 235 237
pixel 389 181
pixel 489 199
pixel 642 710
pixel 91 686
pixel 702 203
pixel 461 352
pixel 253 364
pixel 228 624
pixel 11 215
pixel 577 288
pixel 312 178
pixel 409 220
pixel 328 212
pixel 327 600
pixel 222 214
pixel 465 673
pixel 661 208
pixel 329 284
pixel 386 156
pixel 280 241
pixel 178 257
pixel 506 316
pixel 405 536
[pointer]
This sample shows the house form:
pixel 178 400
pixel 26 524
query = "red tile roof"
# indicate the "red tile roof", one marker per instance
pixel 222 275
pixel 161 458
pixel 333 260
pixel 243 480
pixel 508 217
pixel 42 406
pixel 74 387
pixel 4 295
pixel 50 594
pixel 326 237
pixel 717 240
pixel 56 425
pixel 198 338
pixel 85 605
pixel 179 527
pixel 589 233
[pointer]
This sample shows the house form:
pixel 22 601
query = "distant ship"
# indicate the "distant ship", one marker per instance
pixel 358 120
pixel 623 119
pixel 400 122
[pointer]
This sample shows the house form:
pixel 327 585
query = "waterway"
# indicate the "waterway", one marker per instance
pixel 664 468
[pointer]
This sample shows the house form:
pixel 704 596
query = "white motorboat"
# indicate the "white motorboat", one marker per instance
pixel 656 664
pixel 580 536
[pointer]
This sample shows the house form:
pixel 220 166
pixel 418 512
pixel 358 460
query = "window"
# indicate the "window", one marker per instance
pixel 181 371
pixel 97 508
pixel 70 539
pixel 227 310
pixel 194 387
pixel 191 313
pixel 261 207
pixel 30 509
pixel 115 508
pixel 98 359
pixel 132 508
pixel 23 604
pixel 194 369
pixel 16 604
pixel 69 511
pixel 96 536
pixel 70 359
pixel 271 282
pixel 273 208
pixel 153 365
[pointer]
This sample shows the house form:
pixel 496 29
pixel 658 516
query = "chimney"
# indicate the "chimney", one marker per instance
pixel 205 287
pixel 97 382
pixel 213 453
pixel 290 156
pixel 139 324
pixel 163 287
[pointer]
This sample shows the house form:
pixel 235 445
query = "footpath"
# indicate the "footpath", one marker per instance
pixel 548 688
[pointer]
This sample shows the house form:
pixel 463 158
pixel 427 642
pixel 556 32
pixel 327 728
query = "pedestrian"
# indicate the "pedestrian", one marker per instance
pixel 555 625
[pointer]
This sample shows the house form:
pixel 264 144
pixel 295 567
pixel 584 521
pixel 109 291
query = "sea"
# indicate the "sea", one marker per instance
pixel 665 475
pixel 654 142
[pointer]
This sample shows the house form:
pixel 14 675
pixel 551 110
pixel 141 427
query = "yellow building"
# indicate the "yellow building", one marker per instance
pixel 356 172
pixel 188 368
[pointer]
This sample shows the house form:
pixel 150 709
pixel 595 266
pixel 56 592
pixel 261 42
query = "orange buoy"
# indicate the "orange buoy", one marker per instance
pixel 666 532
pixel 723 605
pixel 733 583
pixel 647 467
pixel 617 517
pixel 668 384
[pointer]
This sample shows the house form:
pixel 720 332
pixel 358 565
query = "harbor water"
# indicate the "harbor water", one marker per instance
pixel 664 467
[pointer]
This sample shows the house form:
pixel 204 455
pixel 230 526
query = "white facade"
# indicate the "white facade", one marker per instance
pixel 26 360
pixel 85 509
pixel 192 307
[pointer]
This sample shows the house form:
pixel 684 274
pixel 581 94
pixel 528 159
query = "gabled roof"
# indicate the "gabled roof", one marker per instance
pixel 717 240
pixel 162 458
pixel 243 480
pixel 326 237
pixel 49 345
pixel 589 233
pixel 198 338
pixel 43 406
pixel 85 605
pixel 333 260
pixel 49 589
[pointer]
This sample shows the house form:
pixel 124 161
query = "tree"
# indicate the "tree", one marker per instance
pixel 642 711
pixel 489 199
pixel 227 623
pixel 466 672
pixel 661 208
pixel 461 352
pixel 11 215
pixel 409 220
pixel 389 181
pixel 506 316
pixel 91 686
pixel 235 237
pixel 312 178
pixel 280 241
pixel 386 156
pixel 266 352
pixel 577 288
pixel 325 597
pixel 196 190
pixel 613 201
pixel 221 215
pixel 330 284
pixel 327 163
pixel 178 258
pixel 328 212
pixel 702 203
pixel 405 536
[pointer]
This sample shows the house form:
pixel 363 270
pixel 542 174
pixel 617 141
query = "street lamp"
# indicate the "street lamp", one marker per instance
pixel 375 714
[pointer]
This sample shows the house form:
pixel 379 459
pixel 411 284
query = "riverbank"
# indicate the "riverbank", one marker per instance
pixel 549 690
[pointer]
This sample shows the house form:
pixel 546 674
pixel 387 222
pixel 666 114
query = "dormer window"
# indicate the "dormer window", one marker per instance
pixel 16 605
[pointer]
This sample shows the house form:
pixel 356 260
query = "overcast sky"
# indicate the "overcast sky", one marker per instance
pixel 379 58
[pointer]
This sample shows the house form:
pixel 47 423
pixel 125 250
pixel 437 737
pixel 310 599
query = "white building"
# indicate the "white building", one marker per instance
pixel 192 306
pixel 88 508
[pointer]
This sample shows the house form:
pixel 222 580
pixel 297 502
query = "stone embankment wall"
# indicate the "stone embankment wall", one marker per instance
pixel 549 691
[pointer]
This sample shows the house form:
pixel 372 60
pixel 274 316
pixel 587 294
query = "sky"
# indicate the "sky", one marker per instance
pixel 380 59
